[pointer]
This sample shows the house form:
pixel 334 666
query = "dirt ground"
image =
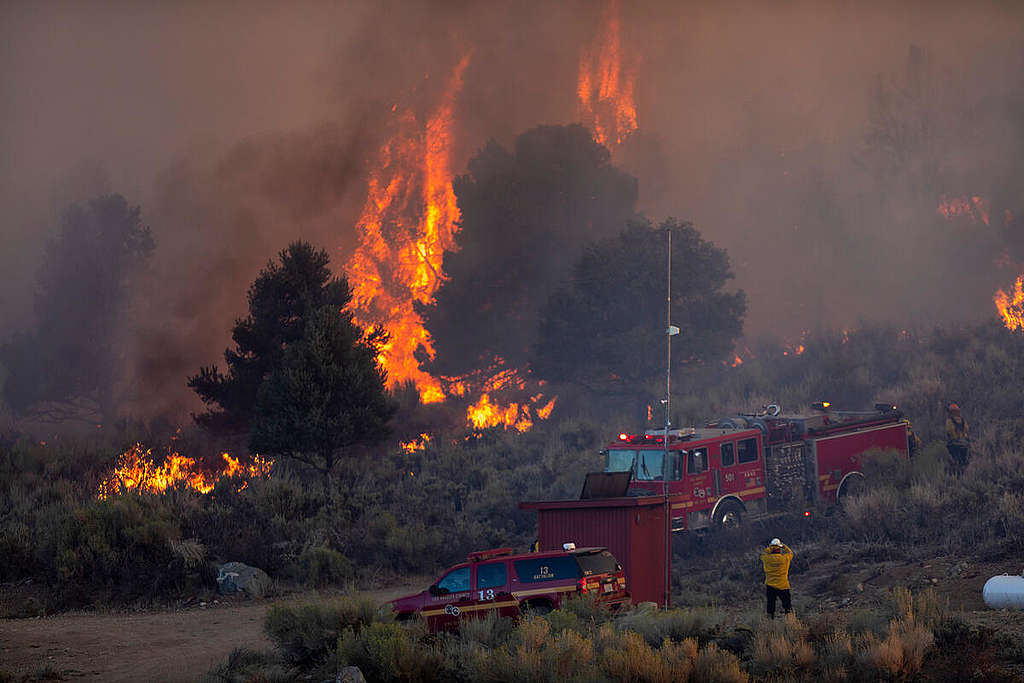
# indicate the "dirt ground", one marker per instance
pixel 178 645
pixel 158 645
pixel 184 644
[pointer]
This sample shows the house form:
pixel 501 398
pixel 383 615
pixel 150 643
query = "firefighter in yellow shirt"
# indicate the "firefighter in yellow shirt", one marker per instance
pixel 776 558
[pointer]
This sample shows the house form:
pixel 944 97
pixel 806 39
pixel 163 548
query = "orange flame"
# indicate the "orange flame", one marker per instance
pixel 488 412
pixel 417 444
pixel 136 471
pixel 408 222
pixel 737 361
pixel 1011 305
pixel 604 88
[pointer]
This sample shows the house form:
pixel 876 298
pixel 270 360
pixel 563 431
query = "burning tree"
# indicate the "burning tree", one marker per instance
pixel 605 330
pixel 606 83
pixel 408 222
pixel 71 366
pixel 525 216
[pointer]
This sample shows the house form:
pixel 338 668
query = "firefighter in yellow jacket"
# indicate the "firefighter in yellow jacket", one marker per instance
pixel 776 558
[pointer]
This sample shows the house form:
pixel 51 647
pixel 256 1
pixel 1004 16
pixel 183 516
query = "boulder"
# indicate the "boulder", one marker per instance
pixel 350 674
pixel 237 577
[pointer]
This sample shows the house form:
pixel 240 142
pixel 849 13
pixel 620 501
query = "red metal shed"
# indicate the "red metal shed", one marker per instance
pixel 632 528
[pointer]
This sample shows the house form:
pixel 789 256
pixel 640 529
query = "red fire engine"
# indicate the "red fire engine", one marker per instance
pixel 754 464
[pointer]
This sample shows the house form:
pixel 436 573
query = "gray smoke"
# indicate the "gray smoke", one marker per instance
pixel 812 140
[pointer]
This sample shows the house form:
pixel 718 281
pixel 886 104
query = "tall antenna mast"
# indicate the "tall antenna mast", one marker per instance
pixel 670 331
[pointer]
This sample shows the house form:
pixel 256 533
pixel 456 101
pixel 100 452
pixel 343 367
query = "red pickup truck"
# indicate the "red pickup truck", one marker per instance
pixel 508 584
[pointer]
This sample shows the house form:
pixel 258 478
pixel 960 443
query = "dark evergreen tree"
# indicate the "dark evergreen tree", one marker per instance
pixel 281 301
pixel 605 329
pixel 326 398
pixel 71 365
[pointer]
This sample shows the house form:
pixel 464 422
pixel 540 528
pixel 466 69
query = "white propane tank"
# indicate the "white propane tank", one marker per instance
pixel 1004 591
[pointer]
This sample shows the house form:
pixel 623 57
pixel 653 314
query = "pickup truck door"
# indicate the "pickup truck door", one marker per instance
pixel 449 597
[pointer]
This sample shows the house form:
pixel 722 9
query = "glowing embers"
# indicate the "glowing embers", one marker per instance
pixel 408 222
pixel 973 208
pixel 605 85
pixel 1011 305
pixel 136 471
pixel 797 348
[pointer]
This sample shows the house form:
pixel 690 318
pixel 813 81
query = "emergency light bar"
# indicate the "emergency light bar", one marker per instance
pixel 677 433
pixel 482 555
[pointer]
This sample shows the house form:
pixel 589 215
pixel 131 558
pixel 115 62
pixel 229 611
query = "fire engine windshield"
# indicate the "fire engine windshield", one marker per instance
pixel 648 465
pixel 620 460
pixel 645 465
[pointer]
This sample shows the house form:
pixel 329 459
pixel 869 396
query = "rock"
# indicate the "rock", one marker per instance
pixel 350 674
pixel 236 577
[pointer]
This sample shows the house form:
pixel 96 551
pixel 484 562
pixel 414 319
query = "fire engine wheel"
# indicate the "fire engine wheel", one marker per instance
pixel 854 486
pixel 535 609
pixel 729 515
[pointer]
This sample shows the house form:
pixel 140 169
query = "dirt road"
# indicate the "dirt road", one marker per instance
pixel 179 645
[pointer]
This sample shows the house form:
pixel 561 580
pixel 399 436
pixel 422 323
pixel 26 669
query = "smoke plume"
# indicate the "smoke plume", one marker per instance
pixel 816 142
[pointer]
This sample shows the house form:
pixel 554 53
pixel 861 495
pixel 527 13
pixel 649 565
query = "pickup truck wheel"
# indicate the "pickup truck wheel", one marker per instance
pixel 729 515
